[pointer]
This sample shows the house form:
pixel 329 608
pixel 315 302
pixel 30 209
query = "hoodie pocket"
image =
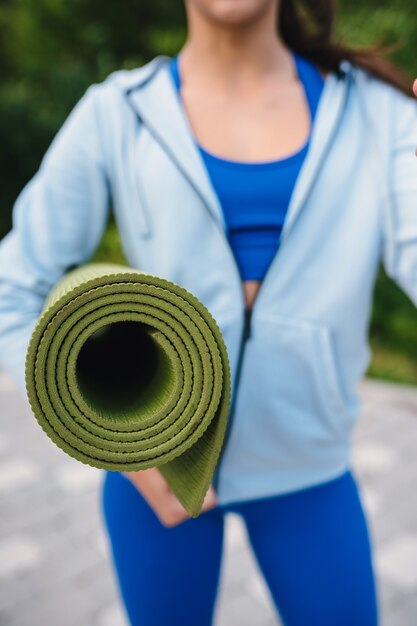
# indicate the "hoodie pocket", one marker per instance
pixel 336 387
pixel 293 370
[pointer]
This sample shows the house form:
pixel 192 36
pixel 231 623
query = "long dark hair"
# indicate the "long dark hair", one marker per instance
pixel 307 26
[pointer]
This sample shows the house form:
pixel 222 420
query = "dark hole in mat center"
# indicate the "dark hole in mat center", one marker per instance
pixel 117 364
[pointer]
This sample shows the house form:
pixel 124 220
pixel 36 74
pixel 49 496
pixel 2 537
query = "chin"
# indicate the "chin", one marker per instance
pixel 233 12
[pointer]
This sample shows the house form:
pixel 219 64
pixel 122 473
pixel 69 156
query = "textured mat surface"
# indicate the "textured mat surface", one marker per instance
pixel 126 370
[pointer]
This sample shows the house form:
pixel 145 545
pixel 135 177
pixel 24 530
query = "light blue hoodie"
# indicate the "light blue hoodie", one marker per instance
pixel 128 142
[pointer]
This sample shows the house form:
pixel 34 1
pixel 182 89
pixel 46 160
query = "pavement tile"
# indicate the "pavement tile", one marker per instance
pixel 404 614
pixel 77 478
pixel 102 544
pixel 237 566
pixel 235 533
pixel 62 568
pixel 242 611
pixel 17 473
pixel 397 561
pixel 371 500
pixel 373 457
pixel 18 553
pixel 14 594
pixel 112 615
pixel 50 609
pixel 256 587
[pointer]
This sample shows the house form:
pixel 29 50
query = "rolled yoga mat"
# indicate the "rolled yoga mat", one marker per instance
pixel 125 371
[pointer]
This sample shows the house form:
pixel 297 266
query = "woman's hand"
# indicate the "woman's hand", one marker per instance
pixel 154 488
pixel 415 93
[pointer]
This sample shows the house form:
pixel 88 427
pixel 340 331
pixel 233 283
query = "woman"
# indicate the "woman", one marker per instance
pixel 254 144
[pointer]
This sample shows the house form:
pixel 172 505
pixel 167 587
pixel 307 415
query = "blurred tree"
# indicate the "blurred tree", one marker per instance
pixel 391 21
pixel 50 51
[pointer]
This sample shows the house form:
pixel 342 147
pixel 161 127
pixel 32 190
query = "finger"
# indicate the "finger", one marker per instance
pixel 177 510
pixel 160 481
pixel 210 500
pixel 171 517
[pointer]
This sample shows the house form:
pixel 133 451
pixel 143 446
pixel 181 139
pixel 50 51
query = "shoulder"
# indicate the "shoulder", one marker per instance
pixel 108 100
pixel 385 103
pixel 105 104
pixel 387 113
pixel 123 81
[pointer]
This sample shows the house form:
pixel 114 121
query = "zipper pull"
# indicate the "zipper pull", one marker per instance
pixel 247 324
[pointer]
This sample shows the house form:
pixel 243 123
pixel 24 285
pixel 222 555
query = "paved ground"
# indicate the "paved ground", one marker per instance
pixel 54 563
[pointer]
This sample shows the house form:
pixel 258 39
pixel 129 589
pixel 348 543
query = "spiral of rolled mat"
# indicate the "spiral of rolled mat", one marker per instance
pixel 125 371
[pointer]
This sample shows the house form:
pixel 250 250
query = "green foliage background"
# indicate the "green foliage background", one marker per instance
pixel 52 50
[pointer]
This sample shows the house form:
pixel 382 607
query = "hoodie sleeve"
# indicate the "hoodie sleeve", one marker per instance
pixel 400 229
pixel 58 220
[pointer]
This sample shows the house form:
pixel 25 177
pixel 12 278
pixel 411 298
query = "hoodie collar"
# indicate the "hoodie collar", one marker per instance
pixel 151 93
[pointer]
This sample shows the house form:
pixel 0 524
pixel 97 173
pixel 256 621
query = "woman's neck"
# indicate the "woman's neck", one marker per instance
pixel 234 55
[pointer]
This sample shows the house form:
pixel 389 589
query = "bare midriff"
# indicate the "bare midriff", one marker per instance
pixel 250 288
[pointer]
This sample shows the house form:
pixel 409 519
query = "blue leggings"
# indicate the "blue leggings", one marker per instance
pixel 312 547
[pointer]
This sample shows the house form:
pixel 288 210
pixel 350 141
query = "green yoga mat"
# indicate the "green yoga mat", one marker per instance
pixel 125 371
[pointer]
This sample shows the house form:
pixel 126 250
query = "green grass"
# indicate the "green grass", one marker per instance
pixel 393 333
pixel 388 364
pixel 110 248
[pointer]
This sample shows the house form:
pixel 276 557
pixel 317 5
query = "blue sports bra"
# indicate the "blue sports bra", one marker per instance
pixel 255 196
